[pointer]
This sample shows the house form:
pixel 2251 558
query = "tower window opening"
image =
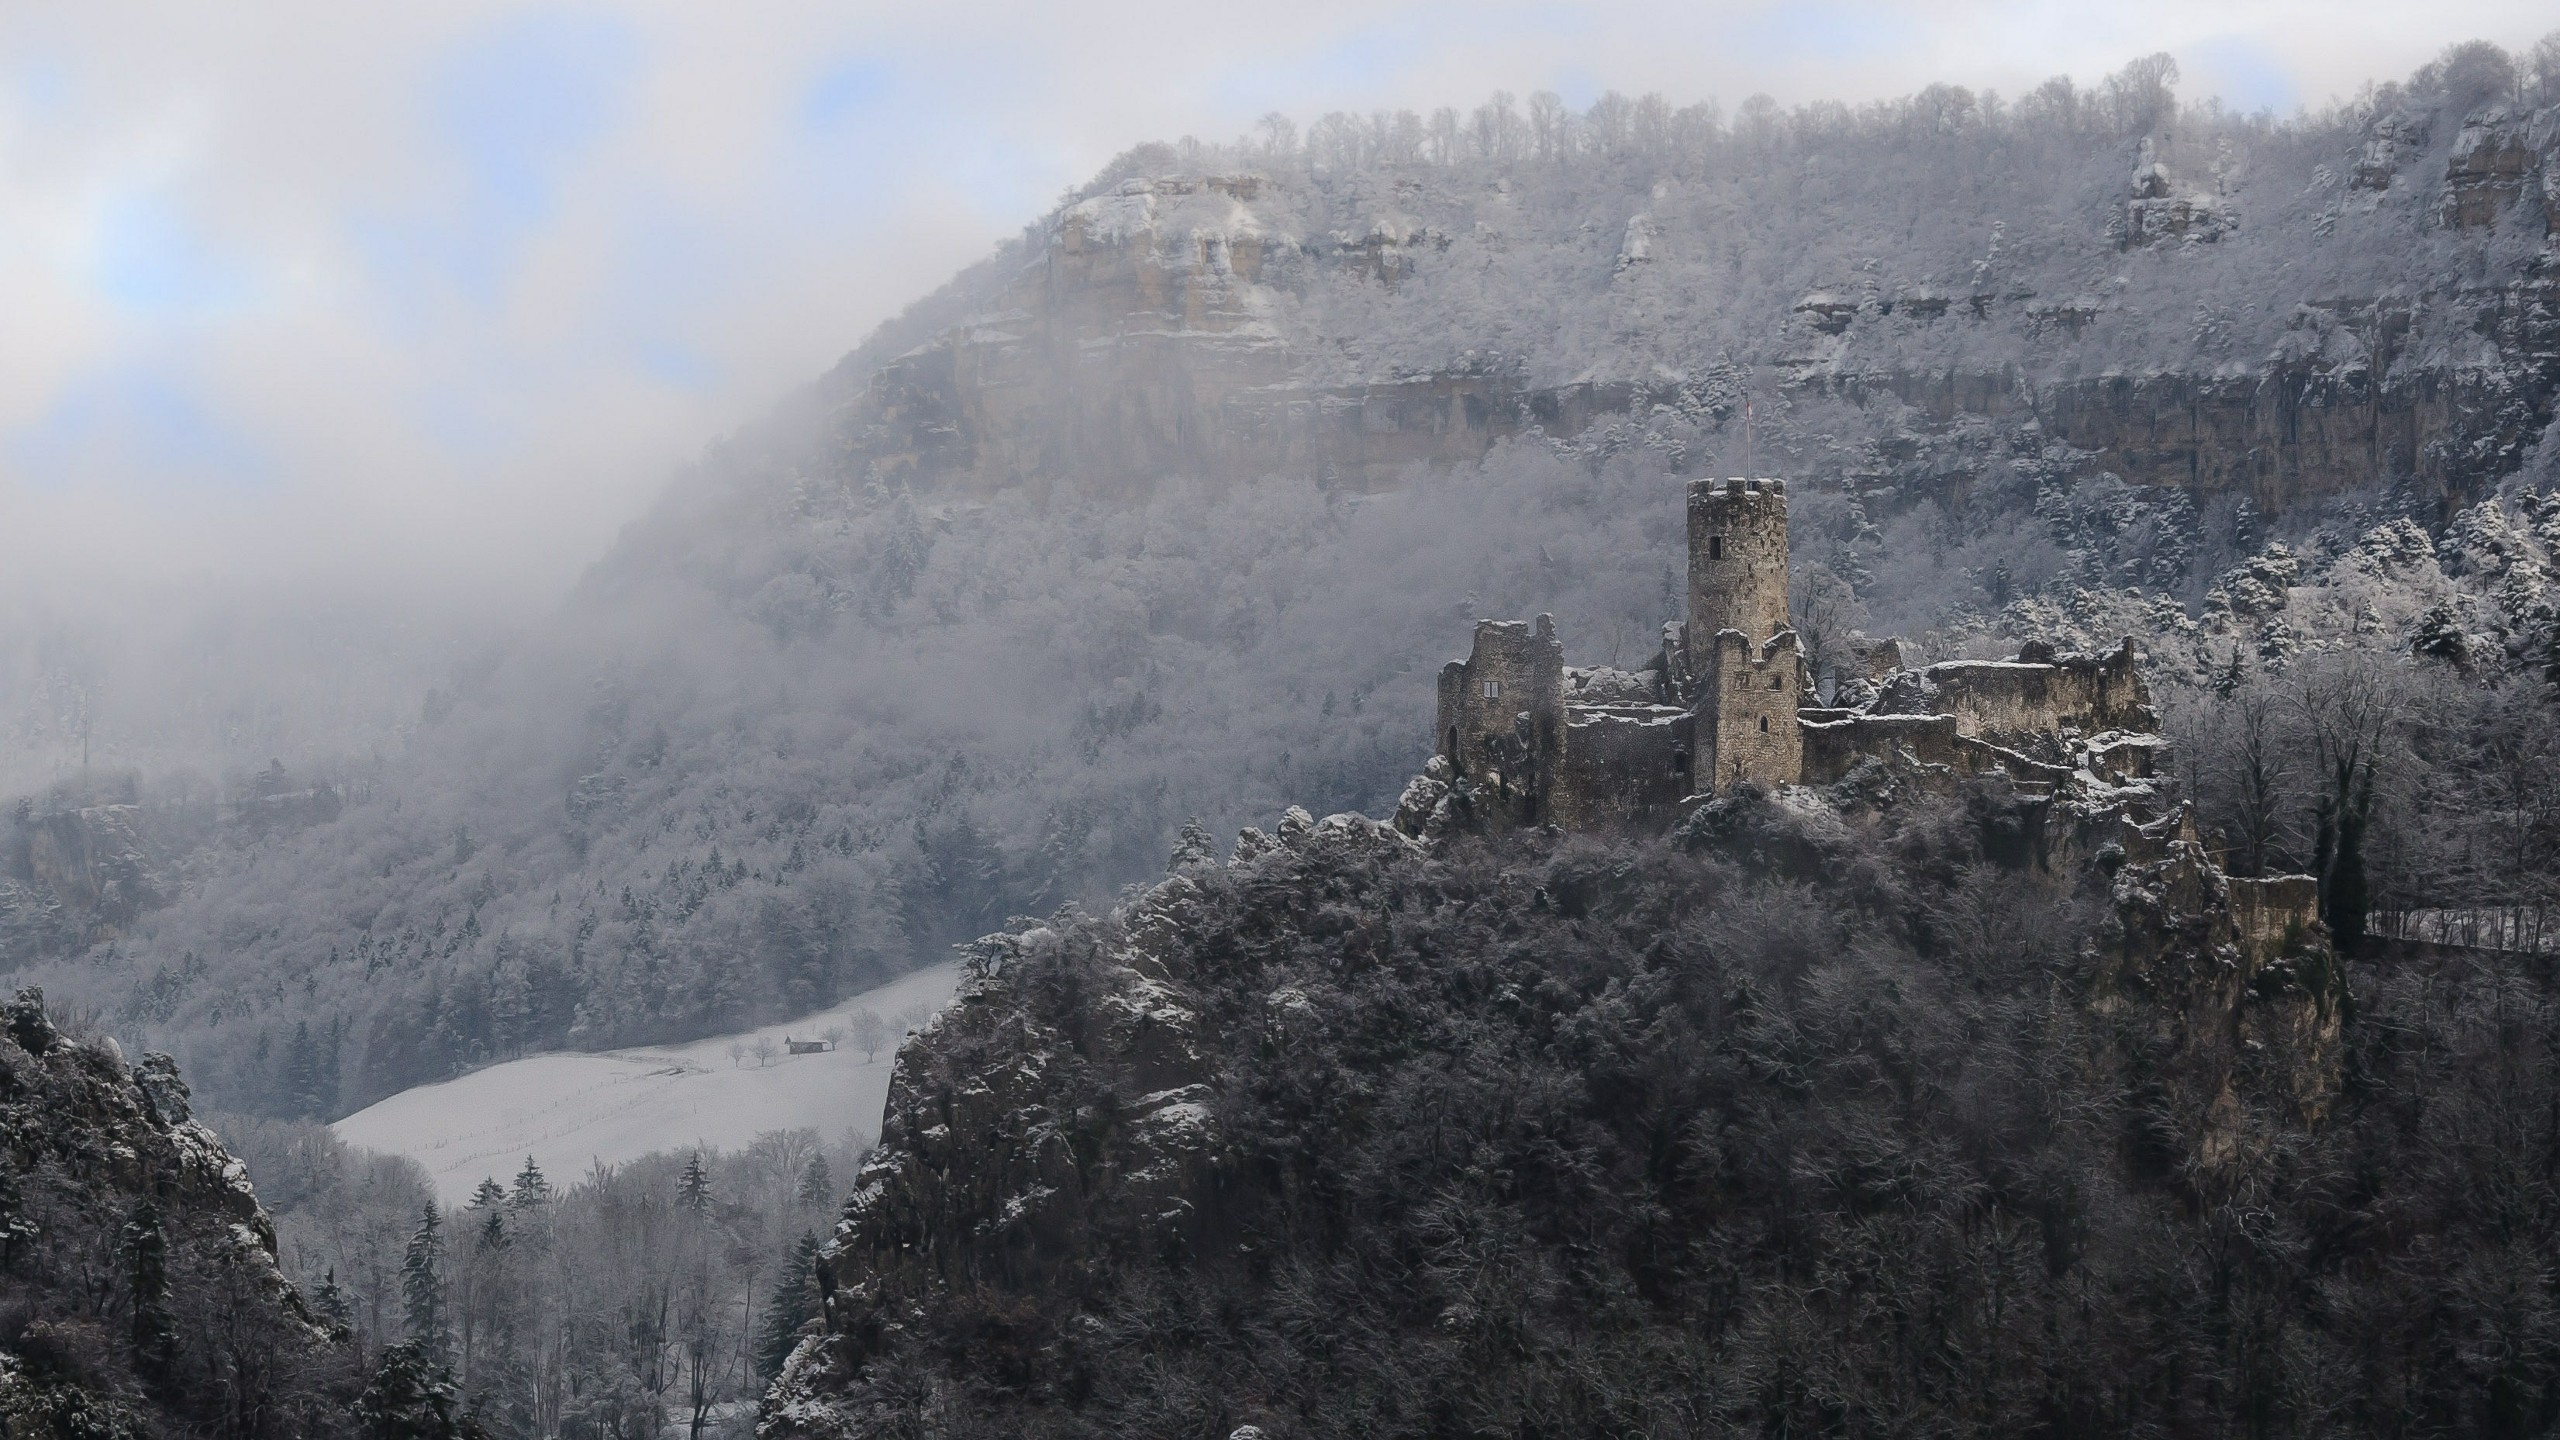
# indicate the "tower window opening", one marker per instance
pixel 1715 547
pixel 1493 689
pixel 1773 682
pixel 1679 762
pixel 1764 724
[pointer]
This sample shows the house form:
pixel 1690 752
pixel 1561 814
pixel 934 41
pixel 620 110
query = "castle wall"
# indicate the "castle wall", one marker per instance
pixel 1834 744
pixel 1501 712
pixel 1623 765
pixel 1747 702
pixel 2273 911
pixel 2019 699
pixel 1737 558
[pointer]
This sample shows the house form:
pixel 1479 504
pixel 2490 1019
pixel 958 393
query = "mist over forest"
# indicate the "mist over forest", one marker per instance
pixel 820 714
pixel 1161 520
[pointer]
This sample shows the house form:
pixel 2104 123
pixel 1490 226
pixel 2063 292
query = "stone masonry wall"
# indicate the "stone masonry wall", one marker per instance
pixel 2032 697
pixel 1737 558
pixel 1516 669
pixel 1623 765
pixel 1747 702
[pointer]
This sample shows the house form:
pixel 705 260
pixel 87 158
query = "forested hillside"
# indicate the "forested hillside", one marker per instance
pixel 1815 1119
pixel 1171 507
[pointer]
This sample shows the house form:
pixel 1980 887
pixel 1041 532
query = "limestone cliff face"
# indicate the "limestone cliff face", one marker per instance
pixel 70 878
pixel 1147 338
pixel 2223 987
pixel 1344 326
pixel 2446 390
pixel 143 1292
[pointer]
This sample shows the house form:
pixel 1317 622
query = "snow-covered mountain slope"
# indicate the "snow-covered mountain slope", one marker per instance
pixel 571 1112
pixel 1173 506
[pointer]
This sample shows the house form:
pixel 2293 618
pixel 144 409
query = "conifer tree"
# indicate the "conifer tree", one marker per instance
pixel 154 1333
pixel 302 1095
pixel 1196 847
pixel 422 1283
pixel 490 1195
pixel 412 1397
pixel 533 1188
pixel 817 1187
pixel 332 1303
pixel 693 1188
pixel 794 1303
pixel 2229 680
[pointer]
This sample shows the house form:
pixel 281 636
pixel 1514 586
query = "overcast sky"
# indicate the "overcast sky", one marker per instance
pixel 308 290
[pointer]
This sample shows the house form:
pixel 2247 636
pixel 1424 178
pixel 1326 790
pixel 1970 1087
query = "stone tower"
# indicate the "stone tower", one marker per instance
pixel 1745 721
pixel 1737 559
pixel 1748 673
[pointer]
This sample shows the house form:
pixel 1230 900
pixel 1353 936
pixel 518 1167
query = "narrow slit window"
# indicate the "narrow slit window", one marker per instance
pixel 1764 724
pixel 1715 547
pixel 1493 689
pixel 1773 682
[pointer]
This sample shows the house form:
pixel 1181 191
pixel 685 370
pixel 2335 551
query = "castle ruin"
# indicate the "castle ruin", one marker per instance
pixel 1729 700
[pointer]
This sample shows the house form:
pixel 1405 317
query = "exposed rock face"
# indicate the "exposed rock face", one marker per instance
pixel 2224 984
pixel 140 1274
pixel 70 878
pixel 1229 325
pixel 1146 339
pixel 2361 394
pixel 2492 166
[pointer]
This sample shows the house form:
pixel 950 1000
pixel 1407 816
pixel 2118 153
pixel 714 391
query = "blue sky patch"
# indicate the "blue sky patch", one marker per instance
pixel 148 259
pixel 845 90
pixel 141 425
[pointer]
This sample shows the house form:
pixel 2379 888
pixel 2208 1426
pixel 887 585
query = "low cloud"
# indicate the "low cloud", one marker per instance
pixel 439 295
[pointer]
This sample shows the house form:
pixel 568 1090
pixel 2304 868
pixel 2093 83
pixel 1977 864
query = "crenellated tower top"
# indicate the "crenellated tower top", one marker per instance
pixel 1737 558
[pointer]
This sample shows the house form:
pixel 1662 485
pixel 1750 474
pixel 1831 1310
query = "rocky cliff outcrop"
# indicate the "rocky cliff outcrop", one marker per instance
pixel 72 877
pixel 1348 324
pixel 139 1291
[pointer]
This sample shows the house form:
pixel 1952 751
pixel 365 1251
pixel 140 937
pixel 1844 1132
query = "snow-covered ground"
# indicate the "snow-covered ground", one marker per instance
pixel 569 1111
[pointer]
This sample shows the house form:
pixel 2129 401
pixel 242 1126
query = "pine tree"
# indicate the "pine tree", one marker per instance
pixel 302 1073
pixel 422 1283
pixel 490 1195
pixel 794 1303
pixel 2228 681
pixel 817 1187
pixel 412 1397
pixel 533 1188
pixel 332 1303
pixel 1196 847
pixel 693 1188
pixel 154 1333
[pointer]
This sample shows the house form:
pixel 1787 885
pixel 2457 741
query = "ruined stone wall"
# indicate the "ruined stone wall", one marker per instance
pixel 1738 557
pixel 1747 726
pixel 2029 700
pixel 1501 711
pixel 2274 912
pixel 1835 741
pixel 1623 765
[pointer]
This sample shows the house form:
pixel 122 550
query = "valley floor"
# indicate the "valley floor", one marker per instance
pixel 574 1111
